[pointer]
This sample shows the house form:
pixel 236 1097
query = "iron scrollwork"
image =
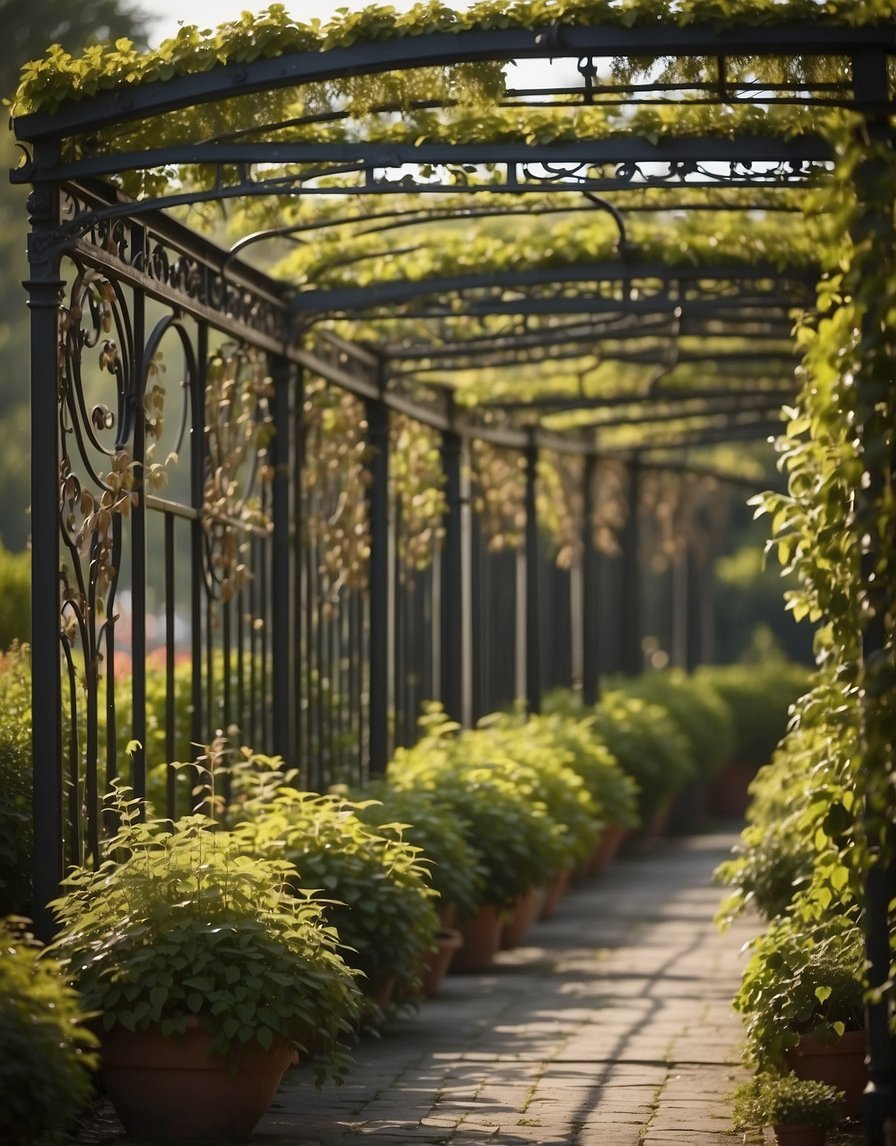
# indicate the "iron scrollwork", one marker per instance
pixel 238 470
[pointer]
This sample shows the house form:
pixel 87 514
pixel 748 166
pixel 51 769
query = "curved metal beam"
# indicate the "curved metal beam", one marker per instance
pixel 442 49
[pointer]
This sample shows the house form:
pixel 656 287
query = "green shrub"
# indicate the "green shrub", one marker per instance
pixel 421 819
pixel 46 1053
pixel 15 597
pixel 697 708
pixel 179 921
pixel 518 845
pixel 537 747
pixel 802 977
pixel 759 697
pixel 377 887
pixel 16 831
pixel 613 790
pixel 648 745
pixel 785 1100
pixel 803 818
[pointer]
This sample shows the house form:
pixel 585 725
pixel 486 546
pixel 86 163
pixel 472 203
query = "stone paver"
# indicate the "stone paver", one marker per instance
pixel 612 1026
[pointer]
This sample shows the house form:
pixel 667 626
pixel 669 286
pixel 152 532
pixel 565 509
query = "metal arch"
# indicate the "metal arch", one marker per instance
pixel 445 48
pixel 620 272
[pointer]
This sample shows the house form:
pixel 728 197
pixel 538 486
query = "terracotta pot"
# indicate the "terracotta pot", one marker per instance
pixel 175 1088
pixel 481 940
pixel 606 849
pixel 436 964
pixel 839 1061
pixel 799 1134
pixel 729 793
pixel 380 993
pixel 447 915
pixel 554 894
pixel 521 918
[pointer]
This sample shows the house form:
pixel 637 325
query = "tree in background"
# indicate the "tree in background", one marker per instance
pixel 29 27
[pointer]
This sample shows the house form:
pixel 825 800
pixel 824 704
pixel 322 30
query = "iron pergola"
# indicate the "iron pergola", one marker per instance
pixel 625 354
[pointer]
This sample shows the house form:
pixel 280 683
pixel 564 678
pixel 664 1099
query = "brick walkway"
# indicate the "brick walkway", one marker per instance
pixel 611 1027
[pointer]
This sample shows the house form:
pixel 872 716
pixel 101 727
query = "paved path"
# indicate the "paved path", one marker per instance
pixel 611 1027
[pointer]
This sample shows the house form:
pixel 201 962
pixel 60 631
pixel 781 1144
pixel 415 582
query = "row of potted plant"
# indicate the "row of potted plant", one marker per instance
pixel 202 926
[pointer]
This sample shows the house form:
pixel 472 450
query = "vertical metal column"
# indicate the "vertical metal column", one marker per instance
pixel 379 581
pixel 453 588
pixel 287 526
pixel 138 375
pixel 44 286
pixel 533 629
pixel 198 618
pixel 697 608
pixel 874 226
pixel 631 577
pixel 590 586
pixel 678 576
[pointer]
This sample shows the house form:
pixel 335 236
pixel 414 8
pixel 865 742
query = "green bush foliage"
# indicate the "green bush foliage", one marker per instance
pixel 178 920
pixel 15 598
pixel 697 708
pixel 801 844
pixel 759 697
pixel 785 1100
pixel 572 730
pixel 420 818
pixel 802 976
pixel 16 830
pixel 377 885
pixel 546 770
pixel 648 745
pixel 518 845
pixel 47 1055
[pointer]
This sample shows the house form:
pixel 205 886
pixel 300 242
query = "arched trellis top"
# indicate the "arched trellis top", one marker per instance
pixel 555 41
pixel 338 154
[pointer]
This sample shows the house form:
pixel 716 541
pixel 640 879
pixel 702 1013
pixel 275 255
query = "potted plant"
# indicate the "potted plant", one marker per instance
pixel 613 790
pixel 650 748
pixel 47 1054
pixel 208 972
pixel 380 901
pixel 802 996
pixel 535 751
pixel 420 818
pixel 517 844
pixel 800 1110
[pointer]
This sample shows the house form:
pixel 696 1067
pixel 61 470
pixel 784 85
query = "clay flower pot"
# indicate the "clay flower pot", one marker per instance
pixel 481 940
pixel 521 918
pixel 448 940
pixel 174 1087
pixel 605 850
pixel 800 1134
pixel 554 894
pixel 839 1061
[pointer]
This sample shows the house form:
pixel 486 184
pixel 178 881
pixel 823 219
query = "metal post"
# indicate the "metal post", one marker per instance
pixel 138 376
pixel 286 527
pixel 453 585
pixel 874 224
pixel 590 586
pixel 380 611
pixel 44 286
pixel 698 605
pixel 631 577
pixel 533 632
